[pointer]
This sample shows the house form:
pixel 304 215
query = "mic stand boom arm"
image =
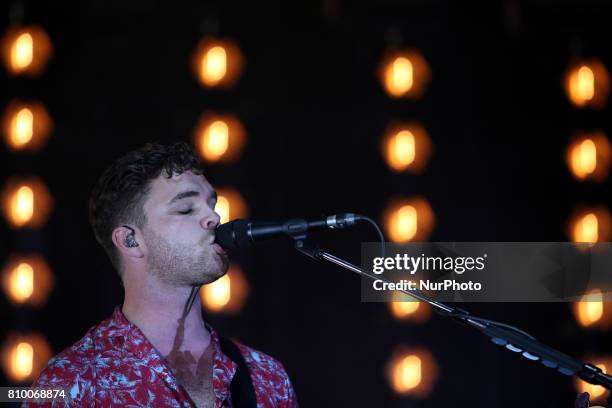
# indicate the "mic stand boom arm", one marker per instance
pixel 501 334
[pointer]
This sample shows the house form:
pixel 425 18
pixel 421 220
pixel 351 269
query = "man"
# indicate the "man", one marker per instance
pixel 153 212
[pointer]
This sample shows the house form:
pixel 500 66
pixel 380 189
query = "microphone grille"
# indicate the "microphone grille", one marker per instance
pixel 233 235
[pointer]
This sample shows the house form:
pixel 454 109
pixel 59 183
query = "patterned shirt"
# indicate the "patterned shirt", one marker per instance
pixel 115 365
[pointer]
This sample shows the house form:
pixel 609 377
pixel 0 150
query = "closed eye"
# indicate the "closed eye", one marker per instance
pixel 185 212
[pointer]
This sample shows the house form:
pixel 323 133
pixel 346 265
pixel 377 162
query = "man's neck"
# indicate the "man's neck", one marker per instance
pixel 159 313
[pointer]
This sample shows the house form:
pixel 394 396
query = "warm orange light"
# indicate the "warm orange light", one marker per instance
pixel 408 220
pixel 27 280
pixel 403 307
pixel 590 225
pixel 593 311
pixel 404 74
pixel 219 138
pixel 23 359
pixel 407 374
pixel 217 62
pixel 22 282
pixel 412 372
pixel 597 393
pixel 230 205
pixel 588 156
pixel 26 203
pixel 26 126
pixel 587 83
pixel 227 294
pixel 213 65
pixel 22 207
pixel 589 310
pixel 406 147
pixel 218 293
pixel 24 356
pixel 26 50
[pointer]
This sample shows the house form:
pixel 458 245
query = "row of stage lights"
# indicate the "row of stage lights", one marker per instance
pixel 407 147
pixel 588 158
pixel 26 278
pixel 220 138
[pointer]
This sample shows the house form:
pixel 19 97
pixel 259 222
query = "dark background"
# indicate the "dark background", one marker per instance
pixel 314 111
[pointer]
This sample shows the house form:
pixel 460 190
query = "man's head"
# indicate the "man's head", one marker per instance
pixel 153 210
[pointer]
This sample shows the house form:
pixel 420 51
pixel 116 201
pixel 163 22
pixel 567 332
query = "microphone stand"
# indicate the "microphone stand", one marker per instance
pixel 501 334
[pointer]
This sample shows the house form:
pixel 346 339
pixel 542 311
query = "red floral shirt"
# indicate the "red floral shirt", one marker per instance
pixel 115 365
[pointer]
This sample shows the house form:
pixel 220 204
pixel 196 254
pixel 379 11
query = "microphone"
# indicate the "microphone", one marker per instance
pixel 244 233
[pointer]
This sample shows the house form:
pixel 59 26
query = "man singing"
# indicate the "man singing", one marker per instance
pixel 153 212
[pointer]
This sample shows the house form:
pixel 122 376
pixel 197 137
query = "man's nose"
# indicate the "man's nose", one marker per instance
pixel 211 220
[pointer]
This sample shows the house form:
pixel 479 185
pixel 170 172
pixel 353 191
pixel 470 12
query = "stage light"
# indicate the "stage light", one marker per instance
pixel 219 138
pixel 26 50
pixel 27 280
pixel 24 356
pixel 26 203
pixel 592 311
pixel 404 74
pixel 412 372
pixel 217 63
pixel 230 205
pixel 26 126
pixel 590 225
pixel 597 393
pixel 587 83
pixel 402 307
pixel 588 156
pixel 408 220
pixel 406 147
pixel 227 294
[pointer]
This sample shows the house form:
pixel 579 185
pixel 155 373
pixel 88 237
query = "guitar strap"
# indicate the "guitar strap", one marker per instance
pixel 243 393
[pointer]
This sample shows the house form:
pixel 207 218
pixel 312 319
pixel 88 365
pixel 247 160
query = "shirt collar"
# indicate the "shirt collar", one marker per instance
pixel 125 335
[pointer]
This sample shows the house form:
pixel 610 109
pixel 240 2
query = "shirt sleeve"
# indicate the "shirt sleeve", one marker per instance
pixel 63 373
pixel 290 399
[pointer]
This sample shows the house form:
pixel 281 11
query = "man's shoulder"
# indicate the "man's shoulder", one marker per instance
pixel 259 359
pixel 73 362
pixel 269 374
pixel 263 364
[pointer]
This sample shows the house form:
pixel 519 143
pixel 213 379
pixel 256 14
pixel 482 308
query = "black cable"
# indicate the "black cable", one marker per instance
pixel 378 230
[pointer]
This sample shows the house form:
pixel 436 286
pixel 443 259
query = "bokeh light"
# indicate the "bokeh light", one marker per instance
pixel 26 126
pixel 408 219
pixel 230 204
pixel 24 356
pixel 587 83
pixel 219 138
pixel 403 307
pixel 217 63
pixel 406 147
pixel 597 393
pixel 404 74
pixel 26 50
pixel 588 156
pixel 589 225
pixel 26 202
pixel 592 311
pixel 227 294
pixel 27 280
pixel 412 372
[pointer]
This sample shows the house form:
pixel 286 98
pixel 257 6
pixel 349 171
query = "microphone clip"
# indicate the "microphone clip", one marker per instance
pixel 307 247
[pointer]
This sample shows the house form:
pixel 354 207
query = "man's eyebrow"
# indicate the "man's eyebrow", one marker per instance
pixel 184 194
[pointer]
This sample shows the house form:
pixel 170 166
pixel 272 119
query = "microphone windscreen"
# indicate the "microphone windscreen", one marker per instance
pixel 233 235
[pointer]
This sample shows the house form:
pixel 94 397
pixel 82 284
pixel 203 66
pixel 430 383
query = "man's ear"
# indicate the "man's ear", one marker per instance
pixel 128 242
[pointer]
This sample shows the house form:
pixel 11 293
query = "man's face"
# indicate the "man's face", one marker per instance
pixel 179 231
